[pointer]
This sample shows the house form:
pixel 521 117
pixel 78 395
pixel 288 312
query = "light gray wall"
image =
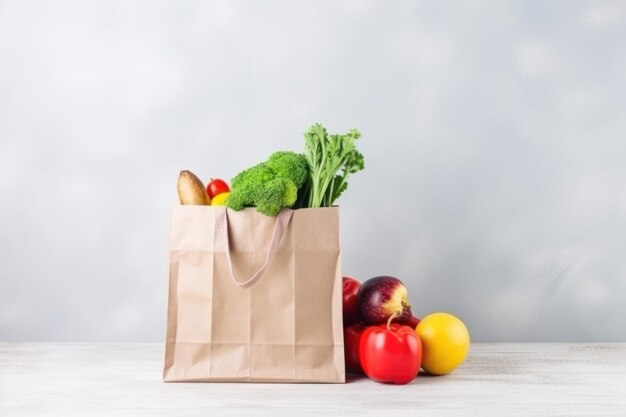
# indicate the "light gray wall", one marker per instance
pixel 494 136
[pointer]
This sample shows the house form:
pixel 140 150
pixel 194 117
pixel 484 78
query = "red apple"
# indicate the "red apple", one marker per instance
pixel 379 298
pixel 217 186
pixel 351 343
pixel 350 289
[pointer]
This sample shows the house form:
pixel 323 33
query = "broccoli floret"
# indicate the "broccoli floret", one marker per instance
pixel 271 198
pixel 243 196
pixel 289 165
pixel 256 175
pixel 291 193
pixel 239 199
pixel 276 194
pixel 246 186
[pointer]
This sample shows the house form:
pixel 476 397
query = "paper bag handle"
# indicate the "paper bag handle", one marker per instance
pixel 221 236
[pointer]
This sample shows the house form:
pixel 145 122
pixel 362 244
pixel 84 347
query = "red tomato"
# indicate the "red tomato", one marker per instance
pixel 351 340
pixel 390 353
pixel 217 186
pixel 350 313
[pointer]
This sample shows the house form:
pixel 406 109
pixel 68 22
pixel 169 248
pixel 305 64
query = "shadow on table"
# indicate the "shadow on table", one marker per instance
pixel 351 377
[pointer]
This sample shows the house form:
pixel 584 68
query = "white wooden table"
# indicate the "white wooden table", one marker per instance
pixel 497 380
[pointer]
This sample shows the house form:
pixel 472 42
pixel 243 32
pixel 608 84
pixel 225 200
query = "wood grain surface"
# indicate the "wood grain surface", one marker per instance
pixel 496 380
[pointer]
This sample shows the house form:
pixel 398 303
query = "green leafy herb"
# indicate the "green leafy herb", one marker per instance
pixel 331 159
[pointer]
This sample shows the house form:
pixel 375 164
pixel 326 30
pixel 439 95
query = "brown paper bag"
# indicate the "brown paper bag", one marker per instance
pixel 254 298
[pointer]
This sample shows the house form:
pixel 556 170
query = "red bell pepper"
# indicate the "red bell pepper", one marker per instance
pixel 390 353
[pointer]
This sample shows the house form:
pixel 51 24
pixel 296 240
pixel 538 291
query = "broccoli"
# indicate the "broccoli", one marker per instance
pixel 271 185
pixel 246 186
pixel 291 192
pixel 258 175
pixel 278 193
pixel 289 165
